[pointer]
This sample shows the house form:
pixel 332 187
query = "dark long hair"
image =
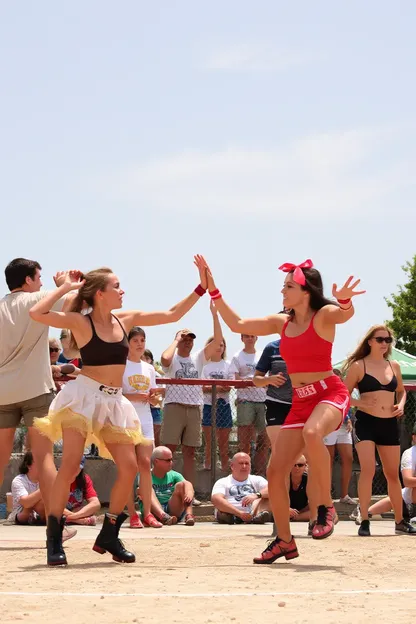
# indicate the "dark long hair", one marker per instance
pixel 80 481
pixel 27 461
pixel 315 288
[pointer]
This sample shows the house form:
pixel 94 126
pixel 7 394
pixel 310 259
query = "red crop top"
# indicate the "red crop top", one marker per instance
pixel 306 353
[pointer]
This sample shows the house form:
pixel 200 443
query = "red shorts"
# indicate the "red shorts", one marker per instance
pixel 305 398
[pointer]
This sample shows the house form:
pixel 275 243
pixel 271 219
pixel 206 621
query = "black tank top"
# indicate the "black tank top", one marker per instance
pixel 370 384
pixel 99 352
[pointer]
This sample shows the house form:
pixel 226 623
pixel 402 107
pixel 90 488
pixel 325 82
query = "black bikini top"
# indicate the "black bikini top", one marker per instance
pixel 370 384
pixel 99 352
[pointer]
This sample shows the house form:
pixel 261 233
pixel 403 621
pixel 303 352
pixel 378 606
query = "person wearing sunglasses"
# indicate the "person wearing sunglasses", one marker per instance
pixel 172 495
pixel 299 503
pixel 61 373
pixel 382 399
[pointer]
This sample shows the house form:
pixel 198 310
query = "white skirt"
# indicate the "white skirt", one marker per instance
pixel 101 413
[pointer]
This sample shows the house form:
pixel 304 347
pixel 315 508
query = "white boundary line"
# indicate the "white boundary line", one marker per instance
pixel 343 592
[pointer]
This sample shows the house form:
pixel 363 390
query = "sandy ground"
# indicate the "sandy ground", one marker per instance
pixel 204 574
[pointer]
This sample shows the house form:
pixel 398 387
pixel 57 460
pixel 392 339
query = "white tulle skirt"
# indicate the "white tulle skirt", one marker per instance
pixel 100 413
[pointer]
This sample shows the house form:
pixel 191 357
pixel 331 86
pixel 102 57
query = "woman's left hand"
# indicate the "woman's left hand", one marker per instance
pixel 398 410
pixel 347 291
pixel 201 265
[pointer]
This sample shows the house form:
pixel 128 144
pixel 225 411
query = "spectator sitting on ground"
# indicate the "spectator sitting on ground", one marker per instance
pixel 299 504
pixel 241 497
pixel 408 470
pixel 172 495
pixel 28 507
pixel 82 490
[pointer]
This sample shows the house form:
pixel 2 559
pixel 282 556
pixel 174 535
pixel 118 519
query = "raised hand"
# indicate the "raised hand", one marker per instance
pixel 59 278
pixel 347 291
pixel 213 309
pixel 211 283
pixel 201 265
pixel 74 280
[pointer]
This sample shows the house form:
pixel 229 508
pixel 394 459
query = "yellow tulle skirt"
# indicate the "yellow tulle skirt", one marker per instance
pixel 100 413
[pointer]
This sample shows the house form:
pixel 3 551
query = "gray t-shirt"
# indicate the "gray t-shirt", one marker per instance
pixel 271 362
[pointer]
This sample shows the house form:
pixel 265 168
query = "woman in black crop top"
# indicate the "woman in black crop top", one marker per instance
pixel 92 409
pixel 381 403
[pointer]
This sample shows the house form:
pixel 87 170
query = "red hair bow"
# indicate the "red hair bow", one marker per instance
pixel 298 275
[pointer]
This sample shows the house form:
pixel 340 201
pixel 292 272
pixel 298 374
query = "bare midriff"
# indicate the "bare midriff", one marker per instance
pixel 304 379
pixel 384 406
pixel 111 375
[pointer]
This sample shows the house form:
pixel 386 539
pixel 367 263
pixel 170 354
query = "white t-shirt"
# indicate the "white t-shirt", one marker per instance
pixel 140 377
pixel 217 370
pixel 25 369
pixel 185 368
pixel 234 491
pixel 408 463
pixel 244 365
pixel 21 486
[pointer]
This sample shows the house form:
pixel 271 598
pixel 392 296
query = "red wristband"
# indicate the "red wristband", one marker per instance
pixel 344 301
pixel 199 290
pixel 217 295
pixel 214 292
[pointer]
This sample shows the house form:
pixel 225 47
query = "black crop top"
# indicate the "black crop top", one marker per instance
pixel 370 384
pixel 99 352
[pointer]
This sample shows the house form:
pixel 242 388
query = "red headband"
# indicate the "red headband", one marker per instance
pixel 298 275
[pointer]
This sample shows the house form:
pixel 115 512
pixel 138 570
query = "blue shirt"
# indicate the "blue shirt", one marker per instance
pixel 272 362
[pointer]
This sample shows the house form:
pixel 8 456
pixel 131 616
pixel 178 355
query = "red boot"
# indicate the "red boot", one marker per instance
pixel 278 548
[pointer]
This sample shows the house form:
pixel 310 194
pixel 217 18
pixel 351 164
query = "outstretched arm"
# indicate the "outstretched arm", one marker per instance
pixel 175 313
pixel 258 327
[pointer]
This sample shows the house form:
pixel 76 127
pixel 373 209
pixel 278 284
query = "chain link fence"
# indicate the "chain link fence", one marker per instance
pixel 239 426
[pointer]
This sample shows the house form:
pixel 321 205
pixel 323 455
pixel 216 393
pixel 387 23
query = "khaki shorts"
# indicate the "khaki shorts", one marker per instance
pixel 181 424
pixel 38 407
pixel 251 413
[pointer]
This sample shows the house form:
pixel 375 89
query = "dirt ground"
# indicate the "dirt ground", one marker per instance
pixel 204 574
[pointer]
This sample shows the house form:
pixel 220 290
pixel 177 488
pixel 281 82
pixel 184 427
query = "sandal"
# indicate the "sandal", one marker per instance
pixel 168 520
pixel 150 521
pixel 327 518
pixel 135 522
pixel 189 519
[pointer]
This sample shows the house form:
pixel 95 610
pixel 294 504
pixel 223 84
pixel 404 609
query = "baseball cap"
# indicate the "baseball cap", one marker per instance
pixel 188 332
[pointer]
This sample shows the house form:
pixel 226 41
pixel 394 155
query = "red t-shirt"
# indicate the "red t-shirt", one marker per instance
pixel 77 496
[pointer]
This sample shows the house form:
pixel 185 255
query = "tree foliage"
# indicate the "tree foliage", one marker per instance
pixel 403 306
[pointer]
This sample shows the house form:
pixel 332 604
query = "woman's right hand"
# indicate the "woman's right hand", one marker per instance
pixel 276 380
pixel 211 283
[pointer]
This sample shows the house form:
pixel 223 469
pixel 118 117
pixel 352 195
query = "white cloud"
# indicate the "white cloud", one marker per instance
pixel 329 175
pixel 255 57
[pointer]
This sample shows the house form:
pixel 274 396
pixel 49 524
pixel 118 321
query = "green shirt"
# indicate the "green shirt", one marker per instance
pixel 164 487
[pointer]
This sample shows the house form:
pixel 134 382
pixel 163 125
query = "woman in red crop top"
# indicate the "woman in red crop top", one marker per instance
pixel 320 399
pixel 381 403
pixel 92 408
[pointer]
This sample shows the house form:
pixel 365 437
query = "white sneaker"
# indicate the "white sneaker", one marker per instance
pixel 68 533
pixel 347 500
pixel 356 515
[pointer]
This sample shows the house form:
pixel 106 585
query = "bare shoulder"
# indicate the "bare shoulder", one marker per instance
pixel 395 366
pixel 356 369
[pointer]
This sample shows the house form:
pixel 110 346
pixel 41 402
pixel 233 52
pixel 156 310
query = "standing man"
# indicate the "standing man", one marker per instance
pixel 251 407
pixel 183 404
pixel 26 384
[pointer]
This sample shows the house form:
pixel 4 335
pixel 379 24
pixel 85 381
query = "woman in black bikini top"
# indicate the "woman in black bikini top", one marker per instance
pixel 381 403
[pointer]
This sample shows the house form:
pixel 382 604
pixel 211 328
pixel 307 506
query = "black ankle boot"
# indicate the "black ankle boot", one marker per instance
pixel 56 554
pixel 108 540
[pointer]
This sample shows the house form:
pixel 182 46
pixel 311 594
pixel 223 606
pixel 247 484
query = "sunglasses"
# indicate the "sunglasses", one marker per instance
pixel 54 350
pixel 299 465
pixel 381 339
pixel 166 460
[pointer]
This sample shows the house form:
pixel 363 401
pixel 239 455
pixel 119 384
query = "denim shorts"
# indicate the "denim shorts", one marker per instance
pixel 224 418
pixel 156 415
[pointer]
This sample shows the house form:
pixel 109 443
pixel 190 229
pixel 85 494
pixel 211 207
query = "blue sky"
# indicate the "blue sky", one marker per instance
pixel 136 134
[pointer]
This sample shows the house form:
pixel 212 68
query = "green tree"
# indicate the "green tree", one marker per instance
pixel 403 305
